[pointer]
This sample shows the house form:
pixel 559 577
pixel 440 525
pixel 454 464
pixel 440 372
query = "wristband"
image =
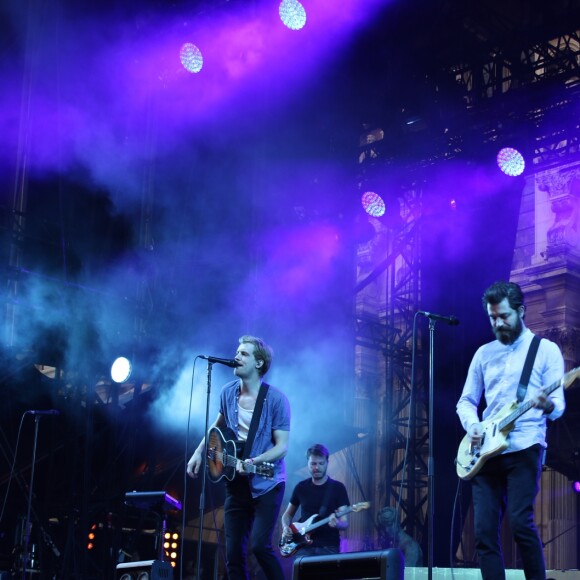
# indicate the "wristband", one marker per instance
pixel 548 410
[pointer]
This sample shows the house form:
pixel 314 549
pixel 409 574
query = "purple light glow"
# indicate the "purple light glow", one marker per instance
pixel 191 57
pixel 511 161
pixel 292 14
pixel 576 486
pixel 373 204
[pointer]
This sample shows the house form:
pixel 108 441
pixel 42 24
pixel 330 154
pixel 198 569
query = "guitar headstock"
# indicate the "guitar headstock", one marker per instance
pixel 265 469
pixel 570 377
pixel 363 505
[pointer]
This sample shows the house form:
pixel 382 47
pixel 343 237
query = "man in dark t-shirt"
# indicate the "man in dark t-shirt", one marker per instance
pixel 319 498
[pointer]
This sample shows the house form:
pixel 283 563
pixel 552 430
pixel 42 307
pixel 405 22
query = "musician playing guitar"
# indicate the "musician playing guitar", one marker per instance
pixel 319 495
pixel 253 501
pixel 510 477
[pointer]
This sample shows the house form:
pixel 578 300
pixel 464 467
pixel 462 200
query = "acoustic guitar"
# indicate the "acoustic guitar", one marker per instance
pixel 222 459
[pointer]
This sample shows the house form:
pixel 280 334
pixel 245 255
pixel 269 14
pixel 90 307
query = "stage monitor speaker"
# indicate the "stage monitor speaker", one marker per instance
pixel 146 570
pixel 380 564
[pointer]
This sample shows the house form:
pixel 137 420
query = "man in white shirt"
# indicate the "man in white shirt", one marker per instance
pixel 510 479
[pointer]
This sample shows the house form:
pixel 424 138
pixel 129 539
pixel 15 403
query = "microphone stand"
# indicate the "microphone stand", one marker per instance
pixel 204 470
pixel 430 463
pixel 29 508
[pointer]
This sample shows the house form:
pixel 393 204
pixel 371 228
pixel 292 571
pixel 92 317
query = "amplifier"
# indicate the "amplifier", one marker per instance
pixel 146 570
pixel 379 565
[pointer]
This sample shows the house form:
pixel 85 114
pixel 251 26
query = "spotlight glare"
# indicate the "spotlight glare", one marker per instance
pixel 292 14
pixel 191 57
pixel 121 369
pixel 373 204
pixel 511 161
pixel 576 486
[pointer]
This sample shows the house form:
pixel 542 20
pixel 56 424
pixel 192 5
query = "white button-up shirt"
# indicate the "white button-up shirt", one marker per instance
pixel 495 372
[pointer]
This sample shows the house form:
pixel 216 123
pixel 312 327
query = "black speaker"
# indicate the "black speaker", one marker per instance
pixel 146 570
pixel 381 564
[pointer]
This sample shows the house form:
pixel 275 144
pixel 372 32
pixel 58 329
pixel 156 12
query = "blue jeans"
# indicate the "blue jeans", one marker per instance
pixel 511 480
pixel 247 518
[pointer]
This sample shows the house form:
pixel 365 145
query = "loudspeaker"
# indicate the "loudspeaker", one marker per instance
pixel 381 564
pixel 146 570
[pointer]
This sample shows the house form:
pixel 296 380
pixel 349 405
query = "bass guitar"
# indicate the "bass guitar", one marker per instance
pixel 222 460
pixel 301 530
pixel 472 456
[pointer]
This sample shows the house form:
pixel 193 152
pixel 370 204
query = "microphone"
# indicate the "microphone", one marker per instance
pixel 451 320
pixel 49 412
pixel 229 362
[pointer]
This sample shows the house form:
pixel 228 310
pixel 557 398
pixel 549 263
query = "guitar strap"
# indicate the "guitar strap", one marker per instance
pixel 255 420
pixel 528 365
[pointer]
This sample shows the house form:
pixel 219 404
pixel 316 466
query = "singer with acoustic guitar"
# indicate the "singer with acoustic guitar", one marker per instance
pixel 255 419
pixel 522 379
pixel 321 500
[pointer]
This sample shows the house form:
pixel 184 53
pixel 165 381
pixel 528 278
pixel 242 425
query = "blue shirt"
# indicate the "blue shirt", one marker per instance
pixel 495 372
pixel 275 416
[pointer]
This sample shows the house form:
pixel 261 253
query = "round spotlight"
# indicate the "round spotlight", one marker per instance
pixel 191 57
pixel 292 14
pixel 576 486
pixel 373 203
pixel 121 369
pixel 511 161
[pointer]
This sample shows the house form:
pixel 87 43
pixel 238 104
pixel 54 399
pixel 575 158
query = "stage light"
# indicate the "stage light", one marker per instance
pixel 511 161
pixel 576 486
pixel 373 203
pixel 292 14
pixel 191 57
pixel 121 369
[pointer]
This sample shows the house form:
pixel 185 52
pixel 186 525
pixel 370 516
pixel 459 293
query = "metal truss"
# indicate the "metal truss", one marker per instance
pixel 387 292
pixel 506 69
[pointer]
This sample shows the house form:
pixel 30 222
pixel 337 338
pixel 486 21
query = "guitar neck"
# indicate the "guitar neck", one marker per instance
pixel 326 520
pixel 525 407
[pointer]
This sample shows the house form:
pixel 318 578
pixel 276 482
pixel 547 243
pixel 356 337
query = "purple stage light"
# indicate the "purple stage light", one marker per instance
pixel 576 486
pixel 292 14
pixel 511 161
pixel 373 203
pixel 191 57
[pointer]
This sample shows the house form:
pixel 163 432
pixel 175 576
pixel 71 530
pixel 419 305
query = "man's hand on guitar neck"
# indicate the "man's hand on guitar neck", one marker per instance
pixel 541 401
pixel 241 465
pixel 338 523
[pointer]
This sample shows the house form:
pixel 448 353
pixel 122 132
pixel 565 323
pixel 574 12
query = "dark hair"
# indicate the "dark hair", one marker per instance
pixel 261 352
pixel 317 449
pixel 501 290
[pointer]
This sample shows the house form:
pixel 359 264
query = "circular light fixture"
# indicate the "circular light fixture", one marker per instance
pixel 511 161
pixel 292 14
pixel 121 369
pixel 191 57
pixel 373 203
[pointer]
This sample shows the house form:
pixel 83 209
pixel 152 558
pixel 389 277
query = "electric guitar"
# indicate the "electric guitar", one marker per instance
pixel 472 456
pixel 301 530
pixel 222 459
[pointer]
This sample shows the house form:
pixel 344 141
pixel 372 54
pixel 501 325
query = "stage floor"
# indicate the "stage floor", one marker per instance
pixel 475 574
